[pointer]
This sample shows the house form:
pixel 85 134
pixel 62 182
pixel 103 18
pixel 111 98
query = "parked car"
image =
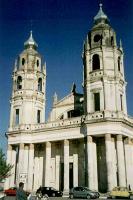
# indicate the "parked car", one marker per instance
pixel 120 192
pixel 83 192
pixel 49 191
pixel 12 191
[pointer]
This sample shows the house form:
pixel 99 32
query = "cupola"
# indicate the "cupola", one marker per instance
pixel 30 43
pixel 101 17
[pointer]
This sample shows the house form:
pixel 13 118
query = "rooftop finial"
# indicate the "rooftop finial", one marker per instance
pixel 121 48
pixel 73 90
pixel 31 42
pixel 31 33
pixel 101 5
pixel 55 98
pixel 100 15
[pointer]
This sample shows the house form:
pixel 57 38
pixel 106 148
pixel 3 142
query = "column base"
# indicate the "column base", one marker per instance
pixel 66 193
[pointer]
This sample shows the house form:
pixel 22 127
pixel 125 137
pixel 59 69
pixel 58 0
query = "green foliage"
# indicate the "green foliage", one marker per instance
pixel 5 169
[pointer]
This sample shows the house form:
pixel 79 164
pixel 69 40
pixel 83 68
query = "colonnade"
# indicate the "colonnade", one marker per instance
pixel 119 164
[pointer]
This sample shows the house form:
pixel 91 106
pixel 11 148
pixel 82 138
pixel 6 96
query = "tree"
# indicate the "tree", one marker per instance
pixel 5 169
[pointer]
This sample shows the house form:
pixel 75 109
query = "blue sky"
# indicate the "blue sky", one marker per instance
pixel 59 27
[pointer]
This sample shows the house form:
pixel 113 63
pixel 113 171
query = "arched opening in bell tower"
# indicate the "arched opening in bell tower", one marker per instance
pixel 119 64
pixel 95 62
pixel 19 83
pixel 40 84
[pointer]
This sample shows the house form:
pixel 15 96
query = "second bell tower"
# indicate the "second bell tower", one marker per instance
pixel 104 82
pixel 29 82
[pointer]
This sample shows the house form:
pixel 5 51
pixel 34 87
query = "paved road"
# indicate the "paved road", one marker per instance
pixel 51 198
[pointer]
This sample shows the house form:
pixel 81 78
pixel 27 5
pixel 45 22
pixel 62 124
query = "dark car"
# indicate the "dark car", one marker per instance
pixel 83 192
pixel 49 191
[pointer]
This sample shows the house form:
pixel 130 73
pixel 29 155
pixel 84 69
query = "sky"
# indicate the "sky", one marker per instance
pixel 60 28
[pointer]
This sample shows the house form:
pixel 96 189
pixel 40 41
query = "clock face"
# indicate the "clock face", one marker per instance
pixel 97 38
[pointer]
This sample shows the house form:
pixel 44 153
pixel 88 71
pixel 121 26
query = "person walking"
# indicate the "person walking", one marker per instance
pixel 21 194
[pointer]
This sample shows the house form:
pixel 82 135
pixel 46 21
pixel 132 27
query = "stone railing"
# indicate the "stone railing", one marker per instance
pixel 96 73
pixel 53 124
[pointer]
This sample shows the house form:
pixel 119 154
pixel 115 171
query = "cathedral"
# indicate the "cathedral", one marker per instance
pixel 88 138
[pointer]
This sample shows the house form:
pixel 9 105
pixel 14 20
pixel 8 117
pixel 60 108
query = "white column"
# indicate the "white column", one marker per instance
pixel 41 168
pixel 21 162
pixel 75 170
pixel 48 163
pixel 95 173
pixel 121 161
pixel 66 168
pixel 57 171
pixel 9 158
pixel 25 168
pixel 114 164
pixel 13 162
pixel 108 145
pixel 128 160
pixel 90 162
pixel 31 165
pixel 36 172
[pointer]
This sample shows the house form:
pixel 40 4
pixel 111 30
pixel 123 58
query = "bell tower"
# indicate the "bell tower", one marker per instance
pixel 29 83
pixel 103 74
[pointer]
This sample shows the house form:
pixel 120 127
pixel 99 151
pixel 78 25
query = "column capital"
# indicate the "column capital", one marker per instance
pixel 108 137
pixel 31 146
pixel 26 147
pixel 48 144
pixel 66 142
pixel 21 145
pixel 119 137
pixel 127 141
pixel 113 139
pixel 89 139
pixel 9 147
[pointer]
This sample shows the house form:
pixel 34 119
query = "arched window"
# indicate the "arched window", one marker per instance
pixel 17 117
pixel 112 40
pixel 38 116
pixel 96 101
pixel 19 83
pixel 95 62
pixel 37 63
pixel 23 61
pixel 39 84
pixel 119 63
pixel 121 102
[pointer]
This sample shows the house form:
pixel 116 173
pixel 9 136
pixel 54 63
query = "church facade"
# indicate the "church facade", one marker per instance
pixel 88 138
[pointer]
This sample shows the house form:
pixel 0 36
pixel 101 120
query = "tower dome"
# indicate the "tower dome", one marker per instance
pixel 101 16
pixel 30 43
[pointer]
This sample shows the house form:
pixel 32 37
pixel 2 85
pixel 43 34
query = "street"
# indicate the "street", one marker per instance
pixel 50 198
